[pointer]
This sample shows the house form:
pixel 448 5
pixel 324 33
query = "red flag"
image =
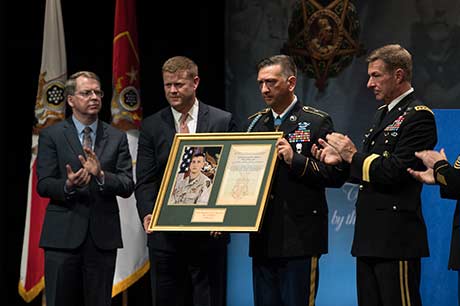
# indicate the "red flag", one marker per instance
pixel 126 104
pixel 49 108
pixel 132 260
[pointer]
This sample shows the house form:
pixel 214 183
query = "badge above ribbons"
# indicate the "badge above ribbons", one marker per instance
pixel 323 39
pixel 300 135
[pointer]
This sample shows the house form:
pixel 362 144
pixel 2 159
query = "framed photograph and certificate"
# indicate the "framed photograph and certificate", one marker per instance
pixel 216 182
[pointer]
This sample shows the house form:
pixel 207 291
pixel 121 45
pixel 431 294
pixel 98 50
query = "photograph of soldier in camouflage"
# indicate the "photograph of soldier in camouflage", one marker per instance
pixel 194 179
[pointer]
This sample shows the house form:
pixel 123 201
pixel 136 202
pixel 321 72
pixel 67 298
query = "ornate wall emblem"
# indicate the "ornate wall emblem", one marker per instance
pixel 323 39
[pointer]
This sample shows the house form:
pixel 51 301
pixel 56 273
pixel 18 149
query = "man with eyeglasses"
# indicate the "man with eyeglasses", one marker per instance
pixel 294 234
pixel 83 164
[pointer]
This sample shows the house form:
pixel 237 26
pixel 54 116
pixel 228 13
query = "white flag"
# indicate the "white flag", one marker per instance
pixel 133 258
pixel 49 108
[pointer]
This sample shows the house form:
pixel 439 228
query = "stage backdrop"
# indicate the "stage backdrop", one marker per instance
pixel 430 30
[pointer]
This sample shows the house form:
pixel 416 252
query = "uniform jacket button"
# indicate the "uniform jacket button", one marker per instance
pixel 395 207
pixel 361 187
pixel 272 197
pixel 315 211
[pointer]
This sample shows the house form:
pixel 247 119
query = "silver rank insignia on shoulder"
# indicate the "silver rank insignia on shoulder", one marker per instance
pixel 298 147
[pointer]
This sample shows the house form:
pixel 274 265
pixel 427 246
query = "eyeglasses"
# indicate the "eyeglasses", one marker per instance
pixel 89 93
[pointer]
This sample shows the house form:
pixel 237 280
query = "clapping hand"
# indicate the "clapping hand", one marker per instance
pixel 77 179
pixel 326 153
pixel 429 158
pixel 91 163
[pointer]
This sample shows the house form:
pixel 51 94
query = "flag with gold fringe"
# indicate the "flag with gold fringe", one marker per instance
pixel 49 109
pixel 132 259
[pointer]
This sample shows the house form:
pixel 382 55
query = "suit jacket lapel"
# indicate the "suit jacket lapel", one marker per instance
pixel 168 121
pixel 101 139
pixel 289 125
pixel 202 124
pixel 71 134
pixel 377 125
pixel 267 123
pixel 397 111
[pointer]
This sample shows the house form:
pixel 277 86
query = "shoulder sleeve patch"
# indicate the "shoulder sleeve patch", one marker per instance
pixel 423 108
pixel 262 112
pixel 312 110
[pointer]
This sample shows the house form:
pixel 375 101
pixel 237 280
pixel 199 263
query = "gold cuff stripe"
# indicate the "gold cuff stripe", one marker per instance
pixel 441 179
pixel 305 167
pixel 367 166
pixel 315 165
pixel 440 167
pixel 313 268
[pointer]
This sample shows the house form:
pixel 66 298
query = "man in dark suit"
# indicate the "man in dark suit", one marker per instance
pixel 177 257
pixel 440 172
pixel 390 233
pixel 82 165
pixel 294 233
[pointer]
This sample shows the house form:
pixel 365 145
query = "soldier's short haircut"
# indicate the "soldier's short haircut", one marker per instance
pixel 286 62
pixel 394 56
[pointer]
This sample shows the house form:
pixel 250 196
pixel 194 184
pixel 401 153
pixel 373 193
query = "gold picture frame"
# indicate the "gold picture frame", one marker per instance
pixel 216 182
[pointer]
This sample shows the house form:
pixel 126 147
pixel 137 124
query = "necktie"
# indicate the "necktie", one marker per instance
pixel 87 141
pixel 183 127
pixel 383 114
